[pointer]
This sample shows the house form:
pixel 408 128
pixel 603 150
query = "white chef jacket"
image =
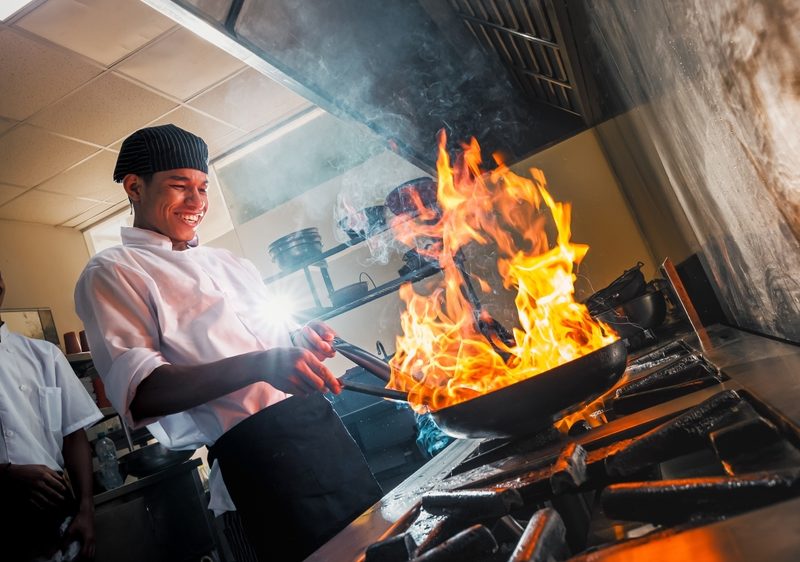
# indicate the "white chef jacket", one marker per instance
pixel 144 305
pixel 41 401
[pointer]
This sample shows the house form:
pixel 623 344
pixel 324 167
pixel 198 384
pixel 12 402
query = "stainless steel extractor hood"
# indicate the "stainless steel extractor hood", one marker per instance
pixel 495 71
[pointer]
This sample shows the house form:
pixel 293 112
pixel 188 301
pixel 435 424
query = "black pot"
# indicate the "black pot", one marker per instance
pixel 349 293
pixel 647 310
pixel 627 286
pixel 152 458
pixel 633 317
pixel 364 223
pixel 402 200
pixel 296 248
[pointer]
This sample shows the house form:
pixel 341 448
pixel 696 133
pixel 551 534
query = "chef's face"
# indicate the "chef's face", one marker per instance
pixel 172 203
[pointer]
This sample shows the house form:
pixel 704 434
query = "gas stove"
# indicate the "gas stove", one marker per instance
pixel 694 453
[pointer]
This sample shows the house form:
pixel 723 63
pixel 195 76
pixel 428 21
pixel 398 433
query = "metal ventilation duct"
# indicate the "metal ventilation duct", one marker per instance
pixel 406 69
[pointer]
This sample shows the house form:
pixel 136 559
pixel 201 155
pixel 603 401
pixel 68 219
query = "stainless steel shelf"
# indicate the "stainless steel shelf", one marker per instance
pixel 376 293
pixel 79 357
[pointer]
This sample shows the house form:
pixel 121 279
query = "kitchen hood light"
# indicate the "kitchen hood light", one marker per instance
pixel 10 7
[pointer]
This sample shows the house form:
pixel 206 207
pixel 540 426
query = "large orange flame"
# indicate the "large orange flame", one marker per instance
pixel 443 358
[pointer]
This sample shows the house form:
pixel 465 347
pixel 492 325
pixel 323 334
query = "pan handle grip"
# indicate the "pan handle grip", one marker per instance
pixel 363 358
pixel 375 391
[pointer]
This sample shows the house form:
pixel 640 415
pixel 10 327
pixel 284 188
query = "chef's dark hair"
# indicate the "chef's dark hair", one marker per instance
pixel 164 147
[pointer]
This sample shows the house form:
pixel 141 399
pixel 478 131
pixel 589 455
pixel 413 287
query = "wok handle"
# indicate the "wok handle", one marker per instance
pixel 363 358
pixel 375 391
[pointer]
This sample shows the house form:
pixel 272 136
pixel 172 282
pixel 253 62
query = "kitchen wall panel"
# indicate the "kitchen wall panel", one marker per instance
pixel 40 266
pixel 715 87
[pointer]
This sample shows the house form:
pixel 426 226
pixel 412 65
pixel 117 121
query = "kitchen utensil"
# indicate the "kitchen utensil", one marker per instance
pixel 625 287
pixel 296 248
pixel 350 293
pixel 523 407
pixel 152 458
pixel 636 315
pixel 647 310
pixel 402 200
pixel 620 323
pixel 363 358
pixel 364 223
pixel 414 261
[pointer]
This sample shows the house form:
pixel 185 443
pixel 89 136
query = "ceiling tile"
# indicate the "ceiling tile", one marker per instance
pixel 101 30
pixel 250 100
pixel 6 124
pixel 180 64
pixel 210 130
pixel 45 208
pixel 90 179
pixel 104 111
pixel 29 156
pixel 8 192
pixel 35 74
pixel 94 215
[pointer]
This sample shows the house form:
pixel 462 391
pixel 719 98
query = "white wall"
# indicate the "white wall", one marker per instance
pixel 40 266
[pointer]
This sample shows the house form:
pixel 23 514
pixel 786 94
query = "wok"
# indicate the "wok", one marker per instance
pixel 152 458
pixel 518 409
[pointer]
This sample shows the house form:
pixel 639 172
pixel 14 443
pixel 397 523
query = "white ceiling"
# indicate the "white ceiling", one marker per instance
pixel 78 76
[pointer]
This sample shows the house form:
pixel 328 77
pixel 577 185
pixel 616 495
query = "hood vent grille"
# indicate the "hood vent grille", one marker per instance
pixel 528 39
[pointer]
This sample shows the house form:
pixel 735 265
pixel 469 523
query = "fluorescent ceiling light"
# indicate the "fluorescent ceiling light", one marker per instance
pixel 10 7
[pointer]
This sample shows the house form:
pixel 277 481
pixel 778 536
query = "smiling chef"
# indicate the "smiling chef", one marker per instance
pixel 181 337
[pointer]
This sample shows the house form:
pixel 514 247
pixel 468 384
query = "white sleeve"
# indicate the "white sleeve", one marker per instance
pixel 78 411
pixel 113 304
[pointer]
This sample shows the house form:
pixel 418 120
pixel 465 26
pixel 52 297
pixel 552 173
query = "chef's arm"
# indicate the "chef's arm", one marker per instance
pixel 174 388
pixel 78 462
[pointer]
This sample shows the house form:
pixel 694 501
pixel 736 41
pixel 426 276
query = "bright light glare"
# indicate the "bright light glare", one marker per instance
pixel 279 311
pixel 9 7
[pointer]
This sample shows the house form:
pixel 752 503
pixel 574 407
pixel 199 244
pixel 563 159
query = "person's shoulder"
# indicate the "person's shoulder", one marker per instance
pixel 35 345
pixel 223 254
pixel 106 257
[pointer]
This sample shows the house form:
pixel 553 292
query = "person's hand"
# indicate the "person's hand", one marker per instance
pixel 316 337
pixel 81 529
pixel 298 371
pixel 46 487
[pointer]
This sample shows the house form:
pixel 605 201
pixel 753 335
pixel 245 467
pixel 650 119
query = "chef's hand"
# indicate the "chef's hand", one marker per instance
pixel 45 486
pixel 316 337
pixel 81 529
pixel 297 371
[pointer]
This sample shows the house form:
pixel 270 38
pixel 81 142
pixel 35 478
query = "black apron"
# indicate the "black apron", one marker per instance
pixel 296 476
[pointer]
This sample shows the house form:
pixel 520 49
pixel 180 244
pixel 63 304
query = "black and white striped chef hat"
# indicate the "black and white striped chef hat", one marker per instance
pixel 155 149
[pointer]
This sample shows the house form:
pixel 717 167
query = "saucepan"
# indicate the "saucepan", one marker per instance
pixel 516 410
pixel 152 458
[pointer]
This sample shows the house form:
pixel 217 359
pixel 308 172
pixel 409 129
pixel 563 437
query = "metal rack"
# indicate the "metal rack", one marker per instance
pixel 319 262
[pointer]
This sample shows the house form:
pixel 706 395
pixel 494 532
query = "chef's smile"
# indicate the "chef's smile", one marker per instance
pixel 172 203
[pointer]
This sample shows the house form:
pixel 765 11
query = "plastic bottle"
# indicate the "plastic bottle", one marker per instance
pixel 106 453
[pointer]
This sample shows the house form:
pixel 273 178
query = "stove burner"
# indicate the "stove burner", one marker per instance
pixel 677 501
pixel 544 538
pixel 565 499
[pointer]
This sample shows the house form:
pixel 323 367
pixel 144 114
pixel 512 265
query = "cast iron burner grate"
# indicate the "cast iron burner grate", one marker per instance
pixel 722 457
